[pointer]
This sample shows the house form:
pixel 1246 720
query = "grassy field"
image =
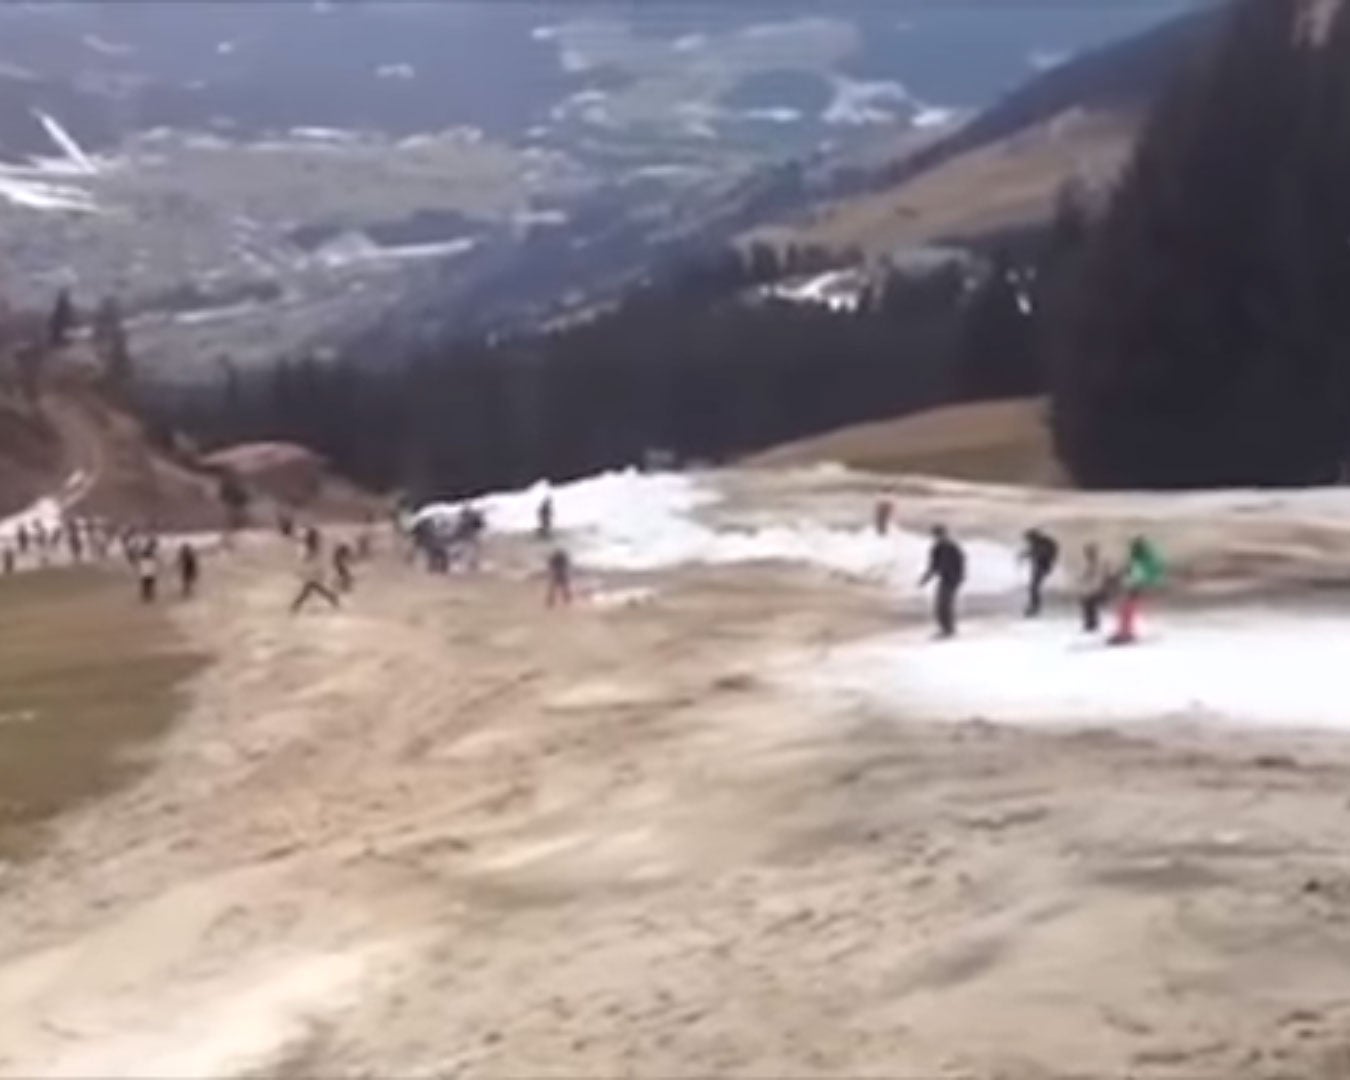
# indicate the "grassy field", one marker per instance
pixel 994 441
pixel 1007 184
pixel 87 678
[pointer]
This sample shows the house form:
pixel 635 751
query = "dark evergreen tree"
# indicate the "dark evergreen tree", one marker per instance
pixel 62 320
pixel 109 338
pixel 1204 343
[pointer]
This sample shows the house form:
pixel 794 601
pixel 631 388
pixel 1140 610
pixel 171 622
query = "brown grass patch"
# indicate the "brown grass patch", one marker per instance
pixel 87 678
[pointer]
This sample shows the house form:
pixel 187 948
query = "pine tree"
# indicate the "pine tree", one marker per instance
pixel 1187 358
pixel 109 339
pixel 62 320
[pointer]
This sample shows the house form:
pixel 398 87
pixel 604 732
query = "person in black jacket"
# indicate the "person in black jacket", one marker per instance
pixel 946 566
pixel 1041 553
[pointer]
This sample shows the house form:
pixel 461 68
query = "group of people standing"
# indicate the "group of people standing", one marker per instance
pixel 444 543
pixel 1100 583
pixel 142 553
pixel 75 539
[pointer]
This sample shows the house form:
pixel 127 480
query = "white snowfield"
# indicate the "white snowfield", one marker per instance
pixel 48 511
pixel 1240 663
pixel 1245 665
pixel 631 521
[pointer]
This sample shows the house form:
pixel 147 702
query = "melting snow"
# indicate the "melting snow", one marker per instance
pixel 107 48
pixel 857 103
pixel 931 116
pixel 773 115
pixel 45 512
pixel 643 522
pixel 35 195
pixel 1250 665
pixel 1049 59
pixel 73 151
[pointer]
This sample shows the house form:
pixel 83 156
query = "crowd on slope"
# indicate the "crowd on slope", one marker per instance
pixel 441 544
pixel 1126 583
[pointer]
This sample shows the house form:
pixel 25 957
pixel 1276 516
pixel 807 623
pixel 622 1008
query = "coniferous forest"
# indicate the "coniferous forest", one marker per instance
pixel 1205 337
pixel 698 366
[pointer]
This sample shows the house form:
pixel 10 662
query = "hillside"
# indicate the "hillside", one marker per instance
pixel 732 814
pixel 97 460
pixel 1000 442
pixel 1006 167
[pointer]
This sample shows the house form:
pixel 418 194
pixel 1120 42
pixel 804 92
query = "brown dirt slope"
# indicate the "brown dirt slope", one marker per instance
pixel 1007 184
pixel 998 441
pixel 30 456
pixel 1003 169
pixel 98 458
pixel 293 476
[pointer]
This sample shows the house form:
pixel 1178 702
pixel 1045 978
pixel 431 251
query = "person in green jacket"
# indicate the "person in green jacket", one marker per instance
pixel 1143 574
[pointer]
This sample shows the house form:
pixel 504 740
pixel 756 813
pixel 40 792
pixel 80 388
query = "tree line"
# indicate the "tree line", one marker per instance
pixel 699 365
pixel 1205 336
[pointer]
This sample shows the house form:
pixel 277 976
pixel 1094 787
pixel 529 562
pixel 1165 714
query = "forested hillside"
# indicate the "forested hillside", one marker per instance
pixel 1206 339
pixel 701 365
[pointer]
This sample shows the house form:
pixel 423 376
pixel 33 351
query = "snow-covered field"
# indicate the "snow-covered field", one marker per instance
pixel 651 522
pixel 1244 665
pixel 1238 662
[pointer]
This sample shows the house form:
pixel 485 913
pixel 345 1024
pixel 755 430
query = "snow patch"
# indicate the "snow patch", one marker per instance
pixel 354 248
pixel 1049 59
pixel 838 290
pixel 33 195
pixel 934 116
pixel 1248 665
pixel 69 147
pixel 644 522
pixel 614 599
pixel 105 47
pixel 574 61
pixel 773 115
pixel 858 103
pixel 45 512
pixel 325 134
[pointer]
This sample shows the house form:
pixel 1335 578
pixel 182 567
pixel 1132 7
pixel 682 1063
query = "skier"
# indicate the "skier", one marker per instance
pixel 312 584
pixel 313 543
pixel 882 514
pixel 946 565
pixel 342 567
pixel 544 519
pixel 1143 574
pixel 559 579
pixel 1041 553
pixel 188 570
pixel 9 560
pixel 1095 586
pixel 22 537
pixel 147 569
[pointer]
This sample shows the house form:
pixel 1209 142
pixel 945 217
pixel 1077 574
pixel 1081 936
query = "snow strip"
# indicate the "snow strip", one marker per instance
pixel 646 522
pixel 1247 665
pixel 73 151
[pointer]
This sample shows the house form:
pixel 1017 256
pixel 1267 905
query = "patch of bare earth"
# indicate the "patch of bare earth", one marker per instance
pixel 997 441
pixel 443 830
